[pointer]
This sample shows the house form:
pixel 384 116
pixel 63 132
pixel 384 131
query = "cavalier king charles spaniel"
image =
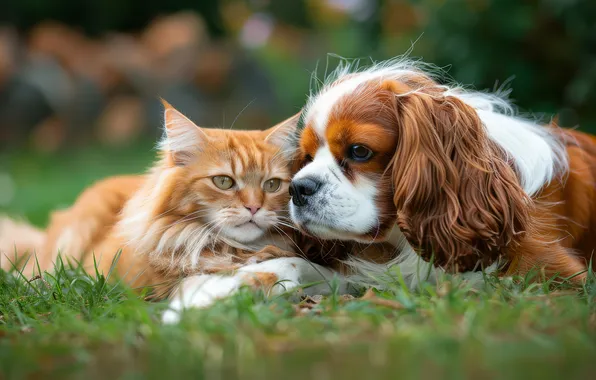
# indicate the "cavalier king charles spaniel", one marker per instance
pixel 451 178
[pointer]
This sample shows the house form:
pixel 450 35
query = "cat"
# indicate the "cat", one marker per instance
pixel 214 201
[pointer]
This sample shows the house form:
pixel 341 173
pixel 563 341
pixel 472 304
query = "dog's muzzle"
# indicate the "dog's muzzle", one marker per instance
pixel 302 189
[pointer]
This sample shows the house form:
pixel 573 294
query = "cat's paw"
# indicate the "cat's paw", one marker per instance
pixel 198 292
pixel 274 277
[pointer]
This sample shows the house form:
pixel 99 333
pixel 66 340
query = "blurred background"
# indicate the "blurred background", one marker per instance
pixel 80 80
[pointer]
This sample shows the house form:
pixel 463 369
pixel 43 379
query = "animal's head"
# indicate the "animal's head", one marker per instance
pixel 236 182
pixel 389 146
pixel 211 184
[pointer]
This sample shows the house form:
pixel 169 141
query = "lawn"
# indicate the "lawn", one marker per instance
pixel 70 325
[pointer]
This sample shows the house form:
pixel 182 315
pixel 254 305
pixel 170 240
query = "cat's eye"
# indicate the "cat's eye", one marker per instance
pixel 359 153
pixel 223 182
pixel 272 185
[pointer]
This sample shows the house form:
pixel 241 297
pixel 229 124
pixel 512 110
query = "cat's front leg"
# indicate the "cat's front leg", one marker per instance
pixel 274 276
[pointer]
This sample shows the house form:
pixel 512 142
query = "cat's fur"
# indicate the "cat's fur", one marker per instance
pixel 174 221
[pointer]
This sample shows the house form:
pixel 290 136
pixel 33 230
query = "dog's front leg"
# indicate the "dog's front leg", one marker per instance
pixel 276 276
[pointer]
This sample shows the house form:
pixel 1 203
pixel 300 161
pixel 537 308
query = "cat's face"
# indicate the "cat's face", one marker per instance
pixel 240 183
pixel 234 182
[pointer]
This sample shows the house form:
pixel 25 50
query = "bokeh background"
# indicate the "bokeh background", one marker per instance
pixel 80 80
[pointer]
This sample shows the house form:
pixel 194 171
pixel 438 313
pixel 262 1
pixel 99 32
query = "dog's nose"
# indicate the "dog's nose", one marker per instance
pixel 301 189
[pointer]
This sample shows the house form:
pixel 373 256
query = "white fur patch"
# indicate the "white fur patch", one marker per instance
pixel 292 272
pixel 538 156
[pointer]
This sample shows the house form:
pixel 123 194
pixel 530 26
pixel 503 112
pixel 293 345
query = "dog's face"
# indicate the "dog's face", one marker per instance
pixel 377 153
pixel 344 190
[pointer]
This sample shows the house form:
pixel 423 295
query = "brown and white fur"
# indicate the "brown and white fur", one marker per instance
pixel 452 175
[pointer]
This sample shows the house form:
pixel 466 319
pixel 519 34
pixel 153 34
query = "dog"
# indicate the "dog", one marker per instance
pixel 451 176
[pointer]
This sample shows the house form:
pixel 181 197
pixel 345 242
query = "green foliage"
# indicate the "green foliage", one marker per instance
pixel 545 47
pixel 541 49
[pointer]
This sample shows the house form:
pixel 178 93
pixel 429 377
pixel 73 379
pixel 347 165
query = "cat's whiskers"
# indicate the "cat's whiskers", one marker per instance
pixel 165 212
pixel 240 113
pixel 300 252
pixel 203 242
pixel 287 225
pixel 185 243
pixel 287 222
pixel 216 238
pixel 176 245
pixel 186 219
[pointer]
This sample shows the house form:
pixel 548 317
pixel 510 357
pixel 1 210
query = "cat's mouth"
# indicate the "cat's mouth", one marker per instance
pixel 248 224
pixel 245 232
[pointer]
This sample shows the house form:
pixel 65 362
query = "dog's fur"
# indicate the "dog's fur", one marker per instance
pixel 454 176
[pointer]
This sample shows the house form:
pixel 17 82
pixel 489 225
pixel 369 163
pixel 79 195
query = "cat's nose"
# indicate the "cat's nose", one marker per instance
pixel 301 189
pixel 253 209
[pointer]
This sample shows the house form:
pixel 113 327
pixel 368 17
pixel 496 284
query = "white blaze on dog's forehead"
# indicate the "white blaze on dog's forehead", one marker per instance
pixel 323 103
pixel 319 106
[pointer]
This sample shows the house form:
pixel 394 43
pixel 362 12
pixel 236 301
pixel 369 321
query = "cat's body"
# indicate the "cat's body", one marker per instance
pixel 215 200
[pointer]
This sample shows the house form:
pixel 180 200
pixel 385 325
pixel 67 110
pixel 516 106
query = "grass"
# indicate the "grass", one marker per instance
pixel 71 325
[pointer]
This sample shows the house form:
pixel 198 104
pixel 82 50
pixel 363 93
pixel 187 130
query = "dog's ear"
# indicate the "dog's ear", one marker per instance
pixel 457 198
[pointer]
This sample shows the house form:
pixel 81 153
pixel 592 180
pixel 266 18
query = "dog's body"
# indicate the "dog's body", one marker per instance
pixel 390 155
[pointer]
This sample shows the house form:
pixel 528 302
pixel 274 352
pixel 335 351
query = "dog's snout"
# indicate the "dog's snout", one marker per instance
pixel 301 189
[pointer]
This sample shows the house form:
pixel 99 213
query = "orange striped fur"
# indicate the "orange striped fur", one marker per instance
pixel 175 220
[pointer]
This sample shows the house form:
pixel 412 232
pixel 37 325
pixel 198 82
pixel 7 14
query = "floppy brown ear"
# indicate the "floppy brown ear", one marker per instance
pixel 457 198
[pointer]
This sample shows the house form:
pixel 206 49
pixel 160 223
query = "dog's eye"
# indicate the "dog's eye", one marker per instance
pixel 359 153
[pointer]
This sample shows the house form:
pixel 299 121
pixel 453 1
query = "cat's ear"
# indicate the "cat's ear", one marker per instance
pixel 182 137
pixel 284 133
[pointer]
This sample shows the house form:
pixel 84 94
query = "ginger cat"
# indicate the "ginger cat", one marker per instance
pixel 215 200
